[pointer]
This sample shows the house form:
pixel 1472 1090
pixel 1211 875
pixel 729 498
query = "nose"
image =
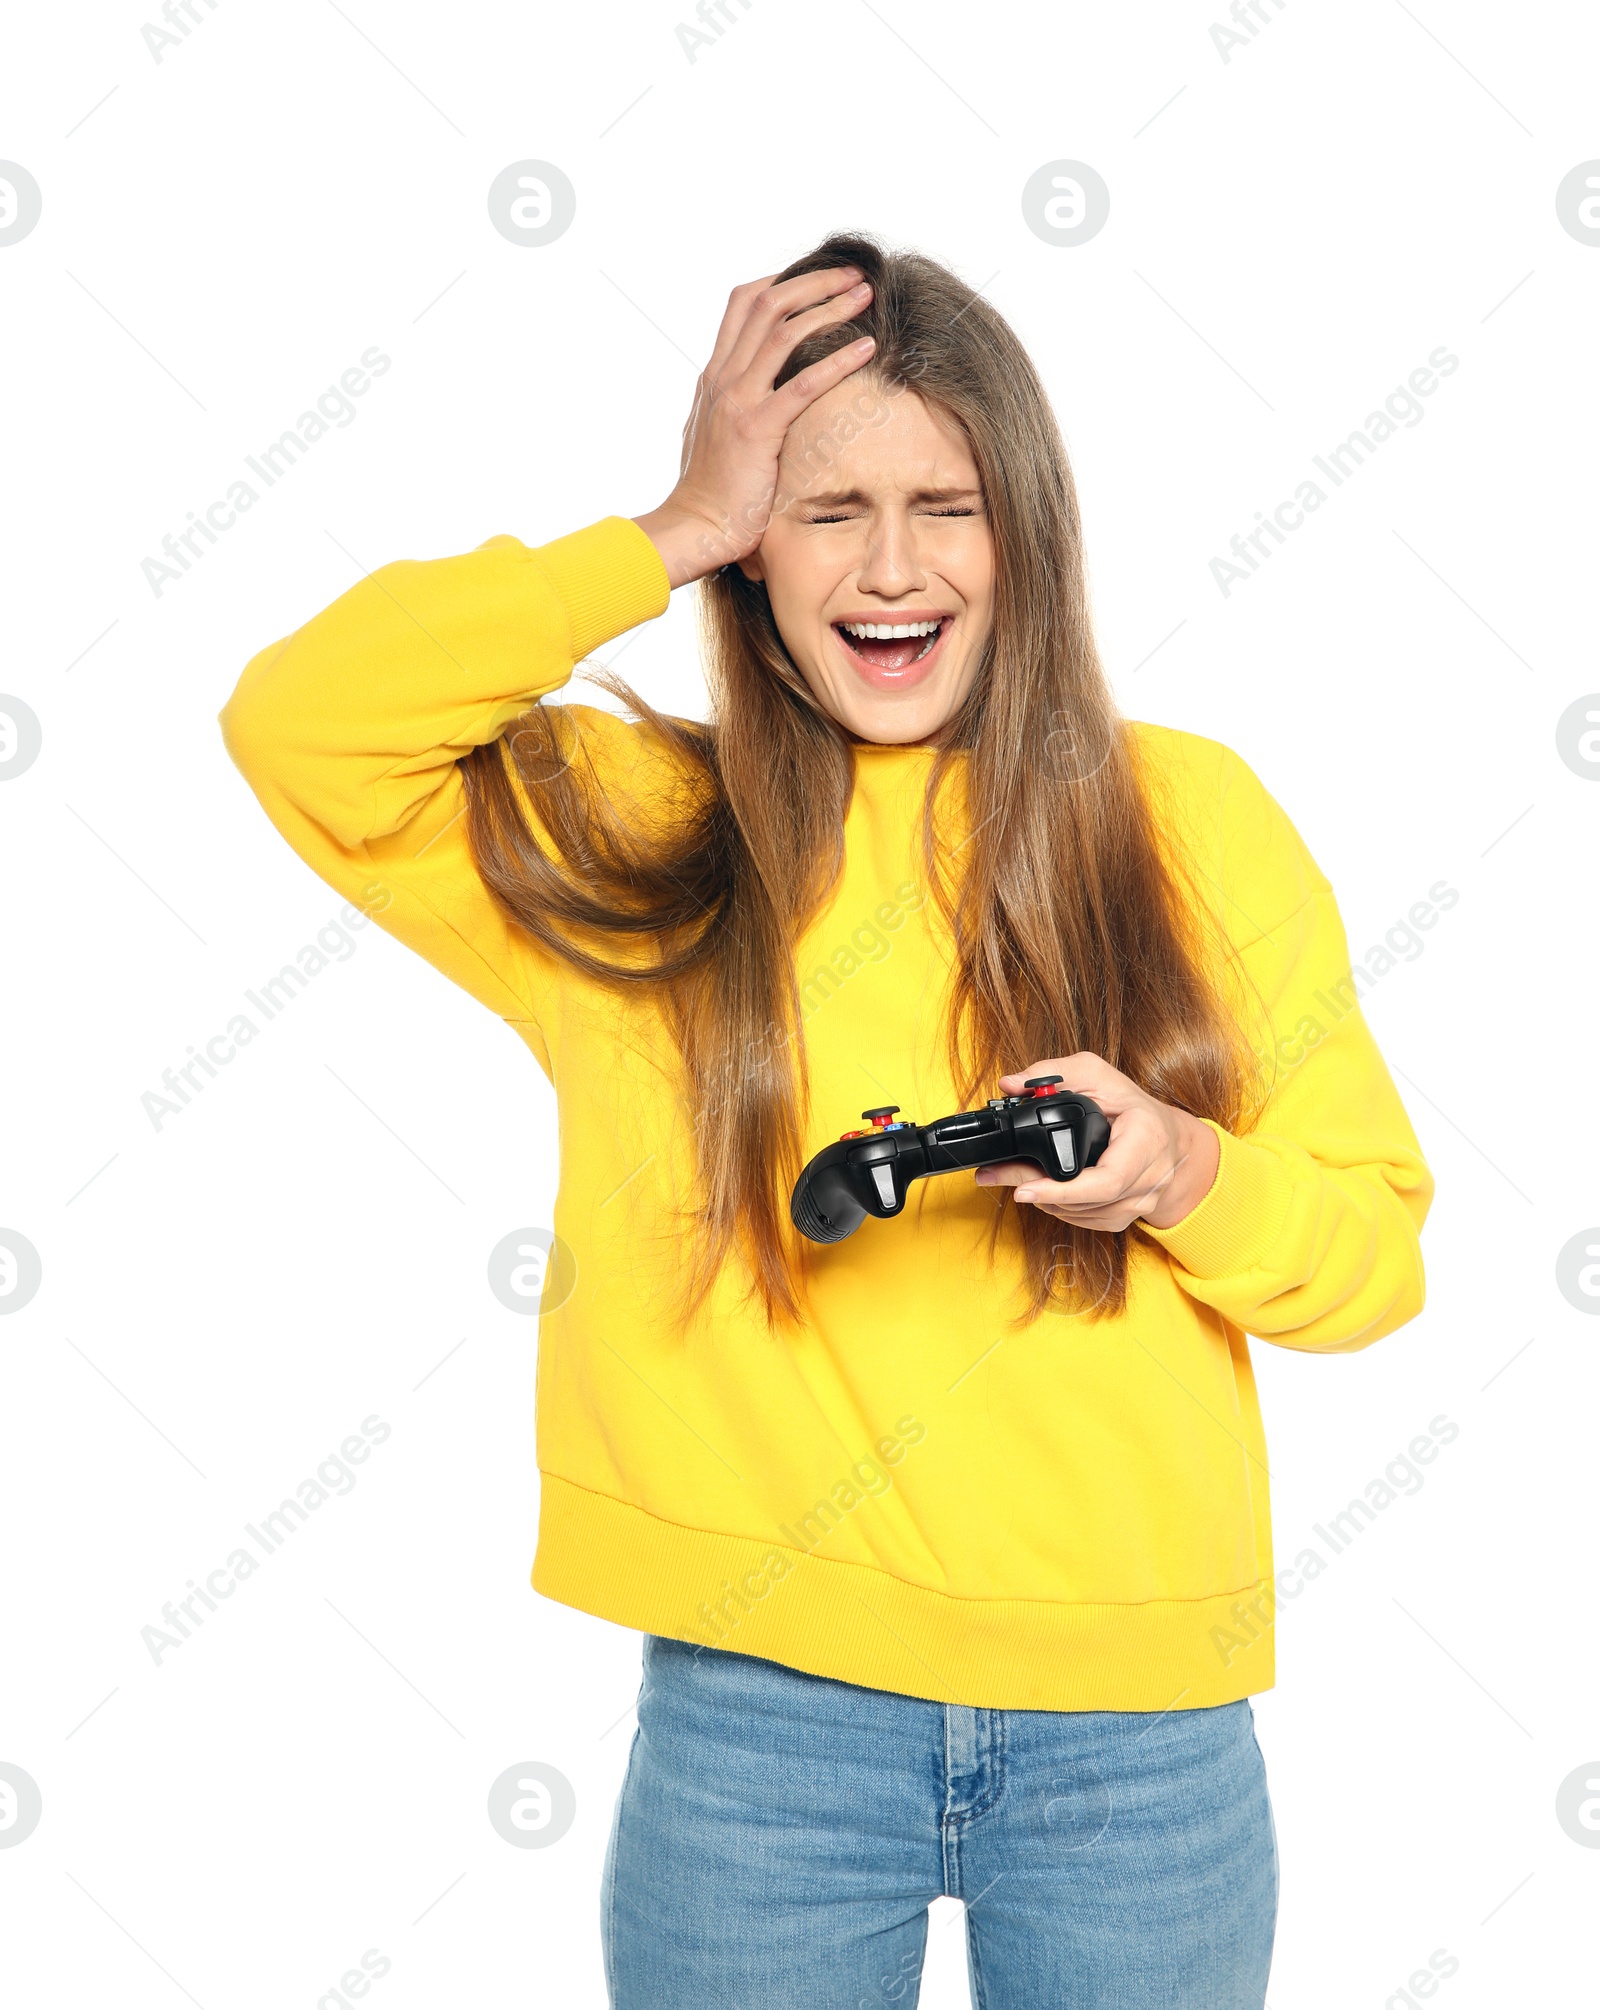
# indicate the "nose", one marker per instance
pixel 891 566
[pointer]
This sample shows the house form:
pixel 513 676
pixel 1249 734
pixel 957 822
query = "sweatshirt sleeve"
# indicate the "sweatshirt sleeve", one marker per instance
pixel 349 731
pixel 1309 1235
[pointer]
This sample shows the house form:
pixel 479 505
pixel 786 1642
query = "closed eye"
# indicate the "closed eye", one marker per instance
pixel 847 506
pixel 844 516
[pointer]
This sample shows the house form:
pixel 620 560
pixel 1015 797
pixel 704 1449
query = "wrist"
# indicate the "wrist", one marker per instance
pixel 1199 1154
pixel 689 546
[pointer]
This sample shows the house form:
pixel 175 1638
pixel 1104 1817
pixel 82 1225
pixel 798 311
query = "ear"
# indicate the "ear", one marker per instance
pixel 750 565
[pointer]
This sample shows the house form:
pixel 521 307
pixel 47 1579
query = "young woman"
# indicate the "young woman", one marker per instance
pixel 950 1542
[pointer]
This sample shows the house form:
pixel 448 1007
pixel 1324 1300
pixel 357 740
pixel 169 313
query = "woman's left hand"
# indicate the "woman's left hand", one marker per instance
pixel 1157 1168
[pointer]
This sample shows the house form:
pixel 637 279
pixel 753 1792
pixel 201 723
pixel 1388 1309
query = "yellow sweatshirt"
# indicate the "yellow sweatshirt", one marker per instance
pixel 911 1493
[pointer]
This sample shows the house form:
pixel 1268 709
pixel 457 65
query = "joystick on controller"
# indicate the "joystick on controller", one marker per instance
pixel 869 1172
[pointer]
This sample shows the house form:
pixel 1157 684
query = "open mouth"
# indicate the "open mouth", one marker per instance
pixel 889 649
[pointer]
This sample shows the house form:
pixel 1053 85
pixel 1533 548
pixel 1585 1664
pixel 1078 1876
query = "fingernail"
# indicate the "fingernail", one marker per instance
pixel 1024 1193
pixel 860 292
pixel 863 345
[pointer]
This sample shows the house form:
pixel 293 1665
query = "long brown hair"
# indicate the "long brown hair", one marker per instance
pixel 1074 917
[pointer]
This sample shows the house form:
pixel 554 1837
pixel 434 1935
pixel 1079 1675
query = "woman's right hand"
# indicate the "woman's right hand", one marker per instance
pixel 723 500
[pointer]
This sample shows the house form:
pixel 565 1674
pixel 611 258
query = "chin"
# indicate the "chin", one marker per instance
pixel 894 727
pixel 889 719
pixel 898 720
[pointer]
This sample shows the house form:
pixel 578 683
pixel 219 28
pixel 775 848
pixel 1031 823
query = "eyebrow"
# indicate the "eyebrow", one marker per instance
pixel 839 498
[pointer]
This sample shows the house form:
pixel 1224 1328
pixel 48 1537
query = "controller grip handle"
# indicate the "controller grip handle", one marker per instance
pixel 1096 1132
pixel 824 1208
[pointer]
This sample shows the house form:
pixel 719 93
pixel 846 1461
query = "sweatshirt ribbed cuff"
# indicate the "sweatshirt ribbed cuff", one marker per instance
pixel 609 578
pixel 1237 1223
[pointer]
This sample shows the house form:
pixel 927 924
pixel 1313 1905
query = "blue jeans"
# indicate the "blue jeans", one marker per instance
pixel 779 1836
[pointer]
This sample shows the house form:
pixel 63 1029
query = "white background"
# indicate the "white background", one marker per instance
pixel 1292 232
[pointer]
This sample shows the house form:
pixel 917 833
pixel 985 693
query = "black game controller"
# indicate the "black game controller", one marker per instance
pixel 870 1172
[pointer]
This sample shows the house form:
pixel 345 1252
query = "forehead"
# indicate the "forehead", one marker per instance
pixel 881 436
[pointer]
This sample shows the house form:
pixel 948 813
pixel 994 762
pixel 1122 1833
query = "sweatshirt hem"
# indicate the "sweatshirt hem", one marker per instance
pixel 855 1623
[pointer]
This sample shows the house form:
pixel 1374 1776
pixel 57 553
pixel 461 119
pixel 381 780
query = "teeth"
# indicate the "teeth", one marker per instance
pixel 889 631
